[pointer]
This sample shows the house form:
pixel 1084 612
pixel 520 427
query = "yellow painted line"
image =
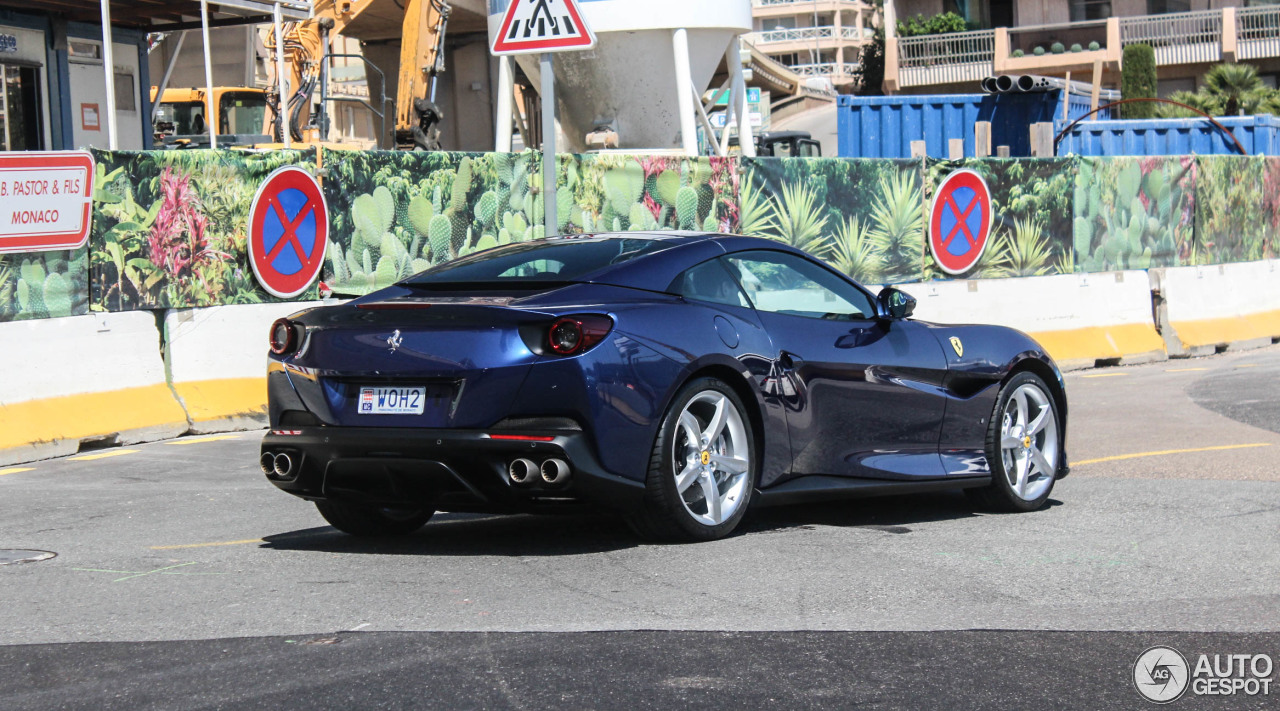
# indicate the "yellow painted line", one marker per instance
pixel 1119 457
pixel 200 440
pixel 1228 329
pixel 1182 370
pixel 103 455
pixel 208 545
pixel 1101 342
pixel 1104 375
pixel 1248 365
pixel 88 415
pixel 208 400
pixel 15 470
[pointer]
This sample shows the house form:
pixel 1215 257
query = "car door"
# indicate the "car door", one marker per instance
pixel 864 393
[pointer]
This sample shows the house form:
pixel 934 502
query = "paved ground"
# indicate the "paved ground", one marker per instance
pixel 184 580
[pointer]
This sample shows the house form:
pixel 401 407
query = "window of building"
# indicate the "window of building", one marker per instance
pixel 21 122
pixel 1160 7
pixel 1090 10
pixel 1167 87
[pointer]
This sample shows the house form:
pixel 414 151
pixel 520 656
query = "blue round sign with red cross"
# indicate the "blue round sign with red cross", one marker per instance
pixel 288 232
pixel 960 223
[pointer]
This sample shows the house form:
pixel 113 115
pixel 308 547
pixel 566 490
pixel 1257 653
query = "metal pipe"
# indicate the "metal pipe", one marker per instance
pixel 268 463
pixel 746 137
pixel 281 84
pixel 283 466
pixel 168 72
pixel 706 126
pixel 684 91
pixel 549 145
pixel 506 91
pixel 210 122
pixel 109 68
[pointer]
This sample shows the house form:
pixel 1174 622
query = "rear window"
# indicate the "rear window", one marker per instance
pixel 549 260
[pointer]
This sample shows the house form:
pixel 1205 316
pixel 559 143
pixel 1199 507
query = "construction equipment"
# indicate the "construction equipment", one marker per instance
pixel 239 114
pixel 421 24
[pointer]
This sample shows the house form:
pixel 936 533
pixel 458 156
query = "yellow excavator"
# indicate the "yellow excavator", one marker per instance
pixel 421 26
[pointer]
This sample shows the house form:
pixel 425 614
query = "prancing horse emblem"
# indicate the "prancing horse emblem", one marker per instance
pixel 955 343
pixel 395 341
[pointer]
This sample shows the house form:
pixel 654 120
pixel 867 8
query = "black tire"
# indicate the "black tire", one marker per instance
pixel 1000 495
pixel 364 520
pixel 664 515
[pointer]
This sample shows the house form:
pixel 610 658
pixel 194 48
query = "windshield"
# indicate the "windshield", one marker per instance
pixel 549 260
pixel 243 112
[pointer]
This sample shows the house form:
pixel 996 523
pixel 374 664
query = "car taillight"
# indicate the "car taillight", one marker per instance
pixel 284 337
pixel 577 334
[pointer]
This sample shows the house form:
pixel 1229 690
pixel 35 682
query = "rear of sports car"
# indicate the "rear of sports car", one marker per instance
pixel 464 396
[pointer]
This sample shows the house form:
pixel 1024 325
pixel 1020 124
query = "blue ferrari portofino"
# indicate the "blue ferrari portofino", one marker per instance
pixel 675 379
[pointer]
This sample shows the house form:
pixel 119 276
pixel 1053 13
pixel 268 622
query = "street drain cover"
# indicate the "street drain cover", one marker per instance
pixel 8 556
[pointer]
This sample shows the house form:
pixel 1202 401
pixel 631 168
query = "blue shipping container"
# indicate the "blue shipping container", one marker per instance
pixel 1259 135
pixel 885 126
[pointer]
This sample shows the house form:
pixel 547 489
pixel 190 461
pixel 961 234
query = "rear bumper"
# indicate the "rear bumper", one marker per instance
pixel 449 470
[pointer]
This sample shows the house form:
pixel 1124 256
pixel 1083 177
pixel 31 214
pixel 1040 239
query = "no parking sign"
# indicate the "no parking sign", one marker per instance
pixel 288 232
pixel 960 222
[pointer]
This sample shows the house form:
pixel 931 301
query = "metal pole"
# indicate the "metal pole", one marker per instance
pixel 210 121
pixel 168 71
pixel 109 68
pixel 684 91
pixel 549 144
pixel 280 79
pixel 738 95
pixel 323 119
pixel 506 87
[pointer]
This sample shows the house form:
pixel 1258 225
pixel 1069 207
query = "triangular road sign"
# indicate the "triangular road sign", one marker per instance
pixel 532 26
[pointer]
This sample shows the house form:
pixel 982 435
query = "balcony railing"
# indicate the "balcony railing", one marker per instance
pixel 946 59
pixel 1177 38
pixel 803 35
pixel 826 69
pixel 1199 37
pixel 1258 32
pixel 769 3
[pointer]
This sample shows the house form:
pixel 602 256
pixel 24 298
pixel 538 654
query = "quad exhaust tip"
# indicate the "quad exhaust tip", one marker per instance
pixel 283 466
pixel 268 463
pixel 555 471
pixel 522 471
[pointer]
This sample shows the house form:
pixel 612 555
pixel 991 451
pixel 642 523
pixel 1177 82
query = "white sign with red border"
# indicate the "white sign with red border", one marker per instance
pixel 536 26
pixel 46 200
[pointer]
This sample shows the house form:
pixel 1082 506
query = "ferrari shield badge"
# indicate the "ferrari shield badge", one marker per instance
pixel 958 346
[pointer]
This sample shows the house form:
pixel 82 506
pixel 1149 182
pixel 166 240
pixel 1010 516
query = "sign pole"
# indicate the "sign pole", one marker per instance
pixel 549 144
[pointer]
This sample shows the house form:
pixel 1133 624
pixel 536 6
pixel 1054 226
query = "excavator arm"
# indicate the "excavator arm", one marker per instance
pixel 422 28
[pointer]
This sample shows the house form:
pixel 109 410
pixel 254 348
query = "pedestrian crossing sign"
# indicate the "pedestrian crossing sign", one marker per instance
pixel 534 26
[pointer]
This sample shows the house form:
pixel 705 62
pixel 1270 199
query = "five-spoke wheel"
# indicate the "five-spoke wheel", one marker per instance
pixel 702 470
pixel 1024 446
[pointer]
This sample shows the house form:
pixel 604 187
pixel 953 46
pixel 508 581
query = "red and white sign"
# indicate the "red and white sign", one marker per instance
pixel 960 223
pixel 46 200
pixel 532 26
pixel 288 232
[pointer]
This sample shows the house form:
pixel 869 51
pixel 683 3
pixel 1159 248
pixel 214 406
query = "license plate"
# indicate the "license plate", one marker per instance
pixel 392 401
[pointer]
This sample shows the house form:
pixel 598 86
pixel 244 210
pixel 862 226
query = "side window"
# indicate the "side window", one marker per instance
pixel 710 281
pixel 787 284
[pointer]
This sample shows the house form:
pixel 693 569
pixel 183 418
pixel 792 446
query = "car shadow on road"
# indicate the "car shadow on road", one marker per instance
pixel 458 534
pixel 890 514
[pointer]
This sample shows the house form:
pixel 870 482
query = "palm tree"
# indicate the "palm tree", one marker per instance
pixel 1196 100
pixel 1232 84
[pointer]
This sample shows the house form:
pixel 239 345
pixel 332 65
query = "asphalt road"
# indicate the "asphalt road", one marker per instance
pixel 184 580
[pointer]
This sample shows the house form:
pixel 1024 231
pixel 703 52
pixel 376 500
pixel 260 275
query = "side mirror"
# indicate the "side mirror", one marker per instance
pixel 896 304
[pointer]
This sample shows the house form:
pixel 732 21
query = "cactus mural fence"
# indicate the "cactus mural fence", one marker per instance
pixel 170 227
pixel 1031 201
pixel 864 217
